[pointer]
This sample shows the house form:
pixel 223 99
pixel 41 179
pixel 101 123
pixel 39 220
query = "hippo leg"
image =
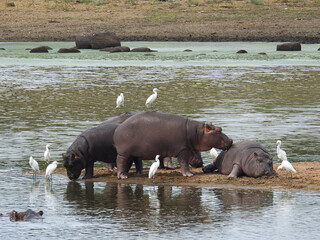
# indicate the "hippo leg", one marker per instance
pixel 167 163
pixel 209 168
pixel 184 159
pixel 89 171
pixel 139 166
pixel 122 166
pixel 235 172
pixel 110 166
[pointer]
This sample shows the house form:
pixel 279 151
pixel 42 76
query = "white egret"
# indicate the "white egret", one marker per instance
pixel 286 165
pixel 120 100
pixel 280 153
pixel 152 98
pixel 154 167
pixel 50 169
pixel 34 165
pixel 46 154
pixel 213 153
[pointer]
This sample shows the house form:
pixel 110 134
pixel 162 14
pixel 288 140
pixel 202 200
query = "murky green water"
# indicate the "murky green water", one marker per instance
pixel 51 98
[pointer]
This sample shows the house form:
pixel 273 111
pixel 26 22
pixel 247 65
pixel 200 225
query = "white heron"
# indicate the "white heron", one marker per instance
pixel 280 153
pixel 154 167
pixel 46 154
pixel 213 153
pixel 286 165
pixel 152 98
pixel 50 169
pixel 34 165
pixel 120 101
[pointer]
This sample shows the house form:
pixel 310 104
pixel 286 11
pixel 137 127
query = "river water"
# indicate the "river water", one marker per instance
pixel 52 97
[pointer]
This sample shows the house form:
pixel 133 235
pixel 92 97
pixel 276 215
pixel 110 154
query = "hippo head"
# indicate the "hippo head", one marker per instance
pixel 74 165
pixel 259 164
pixel 212 136
pixel 13 215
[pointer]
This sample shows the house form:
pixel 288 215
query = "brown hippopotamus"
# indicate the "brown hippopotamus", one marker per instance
pixel 148 134
pixel 246 158
pixel 94 144
pixel 25 216
pixel 165 162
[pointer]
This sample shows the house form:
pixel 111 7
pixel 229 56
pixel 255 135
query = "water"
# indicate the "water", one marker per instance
pixel 51 98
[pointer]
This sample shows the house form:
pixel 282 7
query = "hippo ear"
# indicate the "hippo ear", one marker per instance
pixel 255 156
pixel 208 128
pixel 74 156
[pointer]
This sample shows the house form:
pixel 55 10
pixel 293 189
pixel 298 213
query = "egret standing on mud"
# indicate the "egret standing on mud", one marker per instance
pixel 50 169
pixel 120 101
pixel 46 154
pixel 154 167
pixel 280 153
pixel 152 98
pixel 35 166
pixel 286 165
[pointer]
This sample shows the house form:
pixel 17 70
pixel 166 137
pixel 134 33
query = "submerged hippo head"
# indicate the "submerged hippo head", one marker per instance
pixel 74 165
pixel 213 137
pixel 258 164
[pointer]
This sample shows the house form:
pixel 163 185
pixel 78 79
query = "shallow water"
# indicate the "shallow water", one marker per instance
pixel 51 98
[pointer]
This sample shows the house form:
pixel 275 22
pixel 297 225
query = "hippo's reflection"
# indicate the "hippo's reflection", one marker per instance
pixel 244 199
pixel 139 204
pixel 156 206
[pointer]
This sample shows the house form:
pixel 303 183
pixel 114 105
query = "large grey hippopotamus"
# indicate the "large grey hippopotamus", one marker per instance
pixel 165 162
pixel 246 158
pixel 148 134
pixel 94 144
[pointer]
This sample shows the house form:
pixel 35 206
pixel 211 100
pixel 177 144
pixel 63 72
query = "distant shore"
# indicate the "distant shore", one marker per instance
pixel 140 20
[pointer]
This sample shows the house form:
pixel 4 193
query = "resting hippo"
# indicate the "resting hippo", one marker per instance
pixel 94 144
pixel 165 162
pixel 25 216
pixel 246 158
pixel 148 134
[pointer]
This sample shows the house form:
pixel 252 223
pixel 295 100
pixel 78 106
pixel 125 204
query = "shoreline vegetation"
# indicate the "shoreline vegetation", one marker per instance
pixel 166 20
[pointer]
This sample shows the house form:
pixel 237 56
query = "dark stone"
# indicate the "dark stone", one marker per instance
pixel 142 49
pixel 262 53
pixel 292 46
pixel 318 49
pixel 116 49
pixel 41 49
pixel 2 49
pixel 68 50
pixel 242 51
pixel 104 40
pixel 149 55
pixel 10 4
pixel 187 50
pixel 83 41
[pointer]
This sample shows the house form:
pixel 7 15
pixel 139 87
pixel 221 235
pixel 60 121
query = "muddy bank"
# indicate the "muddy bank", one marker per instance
pixel 306 178
pixel 267 20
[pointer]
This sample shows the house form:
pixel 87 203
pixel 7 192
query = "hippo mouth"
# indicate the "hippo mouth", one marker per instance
pixel 229 145
pixel 73 176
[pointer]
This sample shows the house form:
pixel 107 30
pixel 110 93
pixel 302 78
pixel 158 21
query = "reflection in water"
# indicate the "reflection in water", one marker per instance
pixel 169 207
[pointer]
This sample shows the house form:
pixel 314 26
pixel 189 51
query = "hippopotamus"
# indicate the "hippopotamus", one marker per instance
pixel 246 158
pixel 25 216
pixel 148 134
pixel 165 162
pixel 94 144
